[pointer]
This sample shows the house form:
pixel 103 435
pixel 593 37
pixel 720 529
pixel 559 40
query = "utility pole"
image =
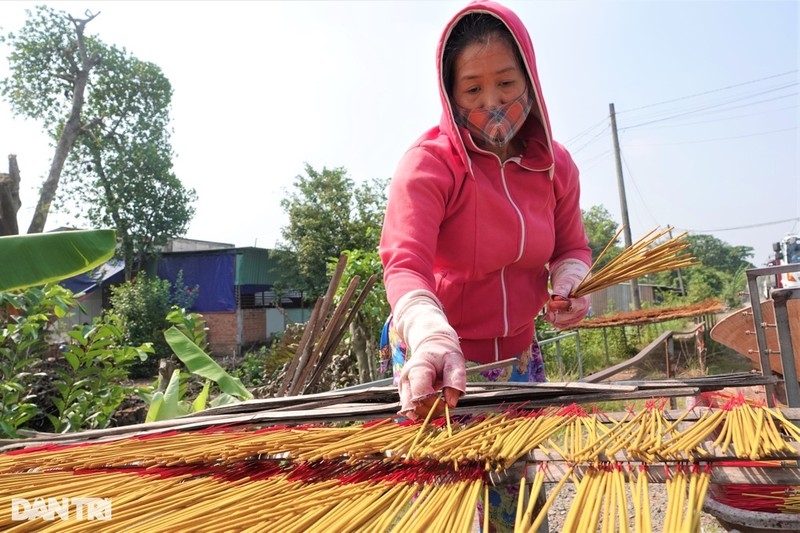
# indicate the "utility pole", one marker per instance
pixel 680 278
pixel 623 203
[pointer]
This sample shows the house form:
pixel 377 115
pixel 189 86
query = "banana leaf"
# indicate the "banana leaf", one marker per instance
pixel 154 412
pixel 199 403
pixel 200 363
pixel 39 258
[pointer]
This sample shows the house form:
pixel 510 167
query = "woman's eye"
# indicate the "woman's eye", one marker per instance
pixel 473 90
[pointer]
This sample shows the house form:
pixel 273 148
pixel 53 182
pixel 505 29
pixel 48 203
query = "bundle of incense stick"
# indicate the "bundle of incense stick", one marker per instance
pixel 645 256
pixel 388 476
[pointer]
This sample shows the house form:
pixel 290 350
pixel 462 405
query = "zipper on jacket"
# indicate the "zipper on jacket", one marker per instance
pixel 521 244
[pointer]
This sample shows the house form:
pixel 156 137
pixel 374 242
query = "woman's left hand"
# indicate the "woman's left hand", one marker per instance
pixel 562 310
pixel 565 312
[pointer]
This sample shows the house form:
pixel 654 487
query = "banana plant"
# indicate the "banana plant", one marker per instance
pixel 170 403
pixel 27 262
pixel 39 258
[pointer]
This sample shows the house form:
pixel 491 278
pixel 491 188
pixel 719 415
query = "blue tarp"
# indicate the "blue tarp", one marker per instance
pixel 215 274
pixel 110 272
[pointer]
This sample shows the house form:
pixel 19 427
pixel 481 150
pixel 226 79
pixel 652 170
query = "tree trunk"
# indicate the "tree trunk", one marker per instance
pixel 72 128
pixel 9 198
pixel 68 135
pixel 358 343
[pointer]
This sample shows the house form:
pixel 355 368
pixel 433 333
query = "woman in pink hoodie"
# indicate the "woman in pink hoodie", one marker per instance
pixel 483 211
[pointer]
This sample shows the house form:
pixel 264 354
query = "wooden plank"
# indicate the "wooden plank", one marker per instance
pixel 718 382
pixel 616 369
pixel 563 385
pixel 367 404
pixel 737 331
pixel 348 413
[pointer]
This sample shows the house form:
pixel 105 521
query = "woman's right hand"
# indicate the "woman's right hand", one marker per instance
pixel 435 360
pixel 423 376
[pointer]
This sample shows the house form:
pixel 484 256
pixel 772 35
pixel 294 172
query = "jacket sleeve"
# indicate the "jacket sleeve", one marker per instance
pixel 417 202
pixel 570 239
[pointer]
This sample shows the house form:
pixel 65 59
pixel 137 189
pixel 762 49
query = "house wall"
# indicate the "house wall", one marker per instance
pixel 221 332
pixel 276 321
pixel 92 305
pixel 223 328
pixel 254 325
pixel 618 298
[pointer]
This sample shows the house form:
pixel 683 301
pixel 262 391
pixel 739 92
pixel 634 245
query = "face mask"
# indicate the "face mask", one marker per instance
pixel 498 125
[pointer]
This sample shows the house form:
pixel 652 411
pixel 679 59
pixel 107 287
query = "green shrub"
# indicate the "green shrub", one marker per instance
pixel 143 305
pixel 90 382
pixel 252 368
pixel 27 328
pixel 56 380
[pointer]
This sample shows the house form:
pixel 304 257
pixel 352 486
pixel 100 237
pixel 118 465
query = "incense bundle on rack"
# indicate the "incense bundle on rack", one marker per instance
pixel 395 476
pixel 645 256
pixel 390 475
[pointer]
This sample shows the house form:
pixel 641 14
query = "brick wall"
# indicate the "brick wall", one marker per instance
pixel 222 330
pixel 255 325
pixel 221 333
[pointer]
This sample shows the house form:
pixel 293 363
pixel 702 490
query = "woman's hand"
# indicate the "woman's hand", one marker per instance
pixel 424 375
pixel 435 360
pixel 565 312
pixel 424 407
pixel 562 310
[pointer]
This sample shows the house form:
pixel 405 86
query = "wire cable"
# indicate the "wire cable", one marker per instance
pixel 591 140
pixel 712 106
pixel 722 119
pixel 709 92
pixel 795 219
pixel 575 138
pixel 638 192
pixel 698 141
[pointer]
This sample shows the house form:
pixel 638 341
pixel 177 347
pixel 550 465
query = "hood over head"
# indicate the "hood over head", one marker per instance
pixel 537 126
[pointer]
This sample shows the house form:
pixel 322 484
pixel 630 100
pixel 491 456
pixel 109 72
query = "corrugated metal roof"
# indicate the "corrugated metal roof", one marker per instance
pixel 254 267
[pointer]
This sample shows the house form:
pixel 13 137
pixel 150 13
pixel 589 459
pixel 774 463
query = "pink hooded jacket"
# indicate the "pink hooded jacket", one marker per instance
pixel 479 233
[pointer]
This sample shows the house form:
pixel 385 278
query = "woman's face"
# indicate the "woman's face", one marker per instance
pixel 487 75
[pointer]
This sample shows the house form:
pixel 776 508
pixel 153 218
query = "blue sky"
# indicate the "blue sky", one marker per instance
pixel 705 93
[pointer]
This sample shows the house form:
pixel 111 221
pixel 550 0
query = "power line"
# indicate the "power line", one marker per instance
pixel 696 111
pixel 636 186
pixel 713 120
pixel 716 139
pixel 591 140
pixel 594 158
pixel 586 131
pixel 709 92
pixel 744 227
pixel 700 105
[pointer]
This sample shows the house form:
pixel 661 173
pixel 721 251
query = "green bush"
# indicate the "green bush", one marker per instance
pixel 143 305
pixel 252 368
pixel 90 384
pixel 27 328
pixel 56 380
